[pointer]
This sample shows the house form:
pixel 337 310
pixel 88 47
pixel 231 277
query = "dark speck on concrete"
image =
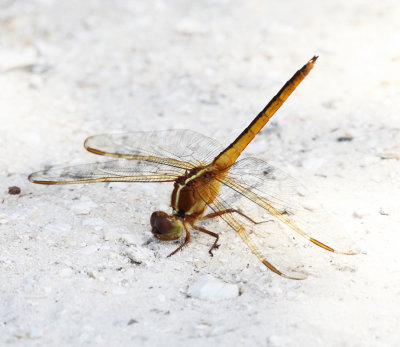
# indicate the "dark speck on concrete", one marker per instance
pixel 344 139
pixel 14 190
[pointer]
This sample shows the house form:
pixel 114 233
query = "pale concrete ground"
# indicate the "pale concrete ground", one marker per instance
pixel 79 264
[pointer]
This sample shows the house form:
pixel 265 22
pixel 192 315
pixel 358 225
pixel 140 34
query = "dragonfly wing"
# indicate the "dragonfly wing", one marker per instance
pixel 181 148
pixel 265 239
pixel 111 171
pixel 287 201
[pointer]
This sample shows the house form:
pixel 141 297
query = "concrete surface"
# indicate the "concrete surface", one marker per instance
pixel 78 263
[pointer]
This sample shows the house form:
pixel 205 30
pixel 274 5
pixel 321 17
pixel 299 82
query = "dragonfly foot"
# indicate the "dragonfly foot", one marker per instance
pixel 215 246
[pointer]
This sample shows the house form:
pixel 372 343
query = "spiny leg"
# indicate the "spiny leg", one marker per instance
pixel 208 233
pixel 217 214
pixel 187 240
pixel 229 210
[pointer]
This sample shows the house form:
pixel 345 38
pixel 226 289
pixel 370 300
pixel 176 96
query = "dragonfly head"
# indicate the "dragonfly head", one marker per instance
pixel 165 227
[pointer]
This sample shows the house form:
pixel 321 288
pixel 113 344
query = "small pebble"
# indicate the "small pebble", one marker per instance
pixel 138 255
pixel 111 234
pixel 211 288
pixel 35 333
pixel 361 213
pixel 14 190
pixel 89 250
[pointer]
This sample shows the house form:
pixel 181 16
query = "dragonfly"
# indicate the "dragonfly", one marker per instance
pixel 208 178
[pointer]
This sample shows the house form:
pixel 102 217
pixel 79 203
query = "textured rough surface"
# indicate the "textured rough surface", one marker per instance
pixel 79 265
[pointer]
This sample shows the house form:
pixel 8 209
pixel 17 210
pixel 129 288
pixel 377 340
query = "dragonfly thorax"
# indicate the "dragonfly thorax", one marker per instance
pixel 186 201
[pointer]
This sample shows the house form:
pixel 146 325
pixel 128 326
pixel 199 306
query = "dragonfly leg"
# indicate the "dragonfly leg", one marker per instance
pixel 187 240
pixel 229 210
pixel 211 234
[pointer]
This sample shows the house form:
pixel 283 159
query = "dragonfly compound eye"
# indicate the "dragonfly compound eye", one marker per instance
pixel 165 227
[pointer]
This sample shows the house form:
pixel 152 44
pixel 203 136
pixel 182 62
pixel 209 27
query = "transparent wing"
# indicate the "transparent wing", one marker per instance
pixel 181 148
pixel 266 239
pixel 111 171
pixel 286 201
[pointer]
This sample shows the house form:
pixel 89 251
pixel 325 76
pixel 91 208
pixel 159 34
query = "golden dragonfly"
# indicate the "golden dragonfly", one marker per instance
pixel 207 176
